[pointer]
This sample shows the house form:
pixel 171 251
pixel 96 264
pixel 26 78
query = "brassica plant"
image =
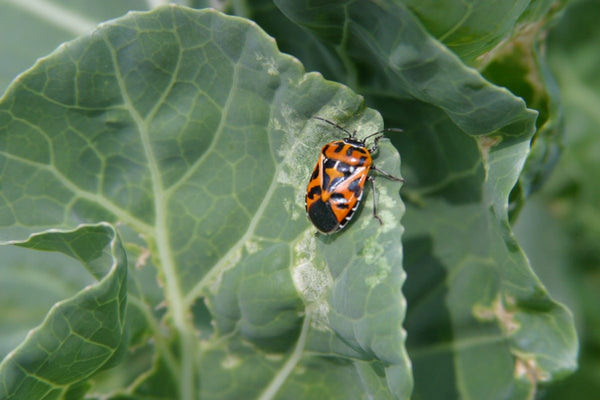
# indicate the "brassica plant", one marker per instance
pixel 154 243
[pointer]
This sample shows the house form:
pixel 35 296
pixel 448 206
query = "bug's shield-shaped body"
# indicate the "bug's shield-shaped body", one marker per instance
pixel 336 184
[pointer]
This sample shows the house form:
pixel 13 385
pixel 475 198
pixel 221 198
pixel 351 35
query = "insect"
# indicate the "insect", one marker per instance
pixel 337 183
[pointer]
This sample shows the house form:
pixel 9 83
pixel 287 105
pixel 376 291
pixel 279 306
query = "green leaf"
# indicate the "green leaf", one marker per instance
pixel 469 29
pixel 293 39
pixel 520 65
pixel 476 309
pixel 191 129
pixel 473 299
pixel 31 28
pixel 82 333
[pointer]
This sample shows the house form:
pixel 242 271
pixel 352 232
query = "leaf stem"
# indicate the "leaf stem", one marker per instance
pixel 56 15
pixel 159 341
pixel 280 378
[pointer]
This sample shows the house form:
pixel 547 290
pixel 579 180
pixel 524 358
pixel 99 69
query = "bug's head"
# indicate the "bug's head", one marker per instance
pixel 353 140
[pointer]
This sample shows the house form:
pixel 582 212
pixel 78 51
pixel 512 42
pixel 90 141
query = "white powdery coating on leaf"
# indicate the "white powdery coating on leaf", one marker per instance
pixel 385 203
pixel 384 199
pixel 268 63
pixel 312 283
pixel 320 316
pixel 294 151
pixel 292 209
pixel 374 257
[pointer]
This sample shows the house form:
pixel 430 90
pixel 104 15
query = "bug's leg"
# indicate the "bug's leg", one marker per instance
pixel 372 180
pixel 392 177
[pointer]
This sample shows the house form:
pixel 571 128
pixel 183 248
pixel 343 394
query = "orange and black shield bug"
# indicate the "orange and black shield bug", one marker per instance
pixel 337 183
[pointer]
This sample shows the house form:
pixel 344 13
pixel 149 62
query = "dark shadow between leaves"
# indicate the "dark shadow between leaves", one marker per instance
pixel 428 321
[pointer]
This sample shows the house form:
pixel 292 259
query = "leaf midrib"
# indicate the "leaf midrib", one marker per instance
pixel 167 264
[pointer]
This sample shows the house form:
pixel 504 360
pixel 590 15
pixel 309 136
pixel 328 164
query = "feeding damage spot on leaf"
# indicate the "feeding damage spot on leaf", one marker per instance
pixel 485 143
pixel 312 281
pixel 497 311
pixel 527 368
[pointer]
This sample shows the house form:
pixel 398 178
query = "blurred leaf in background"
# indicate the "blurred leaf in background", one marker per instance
pixel 33 28
pixel 560 230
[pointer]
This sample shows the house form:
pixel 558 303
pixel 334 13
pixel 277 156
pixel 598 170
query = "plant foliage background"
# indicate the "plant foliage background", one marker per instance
pixel 151 213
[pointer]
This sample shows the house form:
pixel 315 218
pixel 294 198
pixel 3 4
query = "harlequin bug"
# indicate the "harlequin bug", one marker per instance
pixel 336 185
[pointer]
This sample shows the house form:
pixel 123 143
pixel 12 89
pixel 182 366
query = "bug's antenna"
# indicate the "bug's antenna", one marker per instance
pixel 382 131
pixel 350 135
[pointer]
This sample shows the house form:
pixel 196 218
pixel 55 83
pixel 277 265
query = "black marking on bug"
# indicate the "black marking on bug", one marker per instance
pixel 315 173
pixel 352 149
pixel 322 217
pixel 327 164
pixel 354 187
pixel 344 168
pixel 315 191
pixel 362 160
pixel 354 142
pixel 339 147
pixel 339 201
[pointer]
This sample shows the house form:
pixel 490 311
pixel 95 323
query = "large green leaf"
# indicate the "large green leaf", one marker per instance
pixel 473 298
pixel 83 332
pixel 191 129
